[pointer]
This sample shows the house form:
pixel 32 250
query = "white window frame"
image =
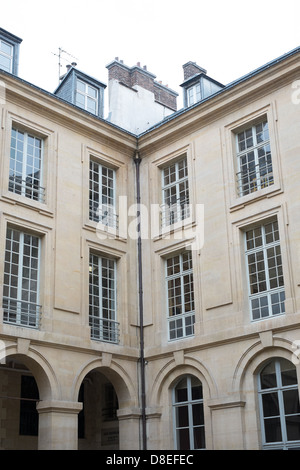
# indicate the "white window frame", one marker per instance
pixel 181 324
pixel 87 96
pixel 103 308
pixel 193 94
pixel 102 205
pixel 277 391
pixel 189 403
pixel 175 194
pixel 10 57
pixel 18 271
pixel 19 181
pixel 254 159
pixel 259 263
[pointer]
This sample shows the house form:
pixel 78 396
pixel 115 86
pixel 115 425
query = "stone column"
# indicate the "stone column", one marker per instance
pixel 129 428
pixel 154 440
pixel 58 424
pixel 227 413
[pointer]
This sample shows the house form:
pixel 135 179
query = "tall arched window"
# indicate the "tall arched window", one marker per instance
pixel 279 405
pixel 188 414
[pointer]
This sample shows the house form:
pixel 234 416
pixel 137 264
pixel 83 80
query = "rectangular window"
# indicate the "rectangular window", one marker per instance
pixel 21 279
pixel 193 94
pixel 265 275
pixel 6 56
pixel 255 169
pixel 86 97
pixel 102 299
pixel 180 295
pixel 102 195
pixel 25 167
pixel 175 188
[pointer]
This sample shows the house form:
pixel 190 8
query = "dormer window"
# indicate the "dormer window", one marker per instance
pixel 82 90
pixel 86 96
pixel 9 51
pixel 193 94
pixel 6 56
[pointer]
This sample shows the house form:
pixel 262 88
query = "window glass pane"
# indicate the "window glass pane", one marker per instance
pixel 80 86
pixel 184 439
pixel 199 438
pixel 91 105
pixel 197 393
pixel 182 416
pixel 288 373
pixel 198 416
pixel 270 404
pixel 268 376
pixel 92 92
pixel 5 63
pixel 273 430
pixel 181 391
pixel 291 401
pixel 80 100
pixel 6 48
pixel 293 427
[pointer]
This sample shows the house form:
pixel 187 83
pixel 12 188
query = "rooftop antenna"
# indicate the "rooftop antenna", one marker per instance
pixel 61 51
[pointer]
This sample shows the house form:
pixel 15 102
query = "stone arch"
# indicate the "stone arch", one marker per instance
pixel 172 370
pixel 123 385
pixel 256 355
pixel 37 364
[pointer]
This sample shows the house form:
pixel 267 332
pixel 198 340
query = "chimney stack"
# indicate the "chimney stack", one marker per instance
pixel 191 68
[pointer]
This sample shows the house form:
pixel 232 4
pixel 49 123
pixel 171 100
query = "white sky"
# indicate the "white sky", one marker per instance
pixel 227 38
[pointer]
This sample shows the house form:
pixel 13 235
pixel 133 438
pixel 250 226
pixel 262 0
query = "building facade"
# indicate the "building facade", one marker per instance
pixel 150 282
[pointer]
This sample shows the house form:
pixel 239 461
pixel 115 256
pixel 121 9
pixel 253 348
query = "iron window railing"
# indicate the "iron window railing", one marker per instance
pixel 21 313
pixel 103 329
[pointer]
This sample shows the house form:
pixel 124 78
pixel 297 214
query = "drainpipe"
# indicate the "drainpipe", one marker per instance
pixel 137 162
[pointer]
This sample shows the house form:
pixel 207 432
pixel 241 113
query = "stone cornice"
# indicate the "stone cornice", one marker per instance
pixel 28 96
pixel 224 102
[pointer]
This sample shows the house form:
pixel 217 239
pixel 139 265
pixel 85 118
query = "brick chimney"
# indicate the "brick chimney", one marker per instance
pixel 191 68
pixel 139 76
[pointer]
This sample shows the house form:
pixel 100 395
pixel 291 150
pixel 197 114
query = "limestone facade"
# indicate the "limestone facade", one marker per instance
pixel 228 340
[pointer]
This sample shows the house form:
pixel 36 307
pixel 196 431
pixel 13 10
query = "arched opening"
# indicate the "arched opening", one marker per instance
pixel 188 413
pixel 98 425
pixel 279 404
pixel 22 384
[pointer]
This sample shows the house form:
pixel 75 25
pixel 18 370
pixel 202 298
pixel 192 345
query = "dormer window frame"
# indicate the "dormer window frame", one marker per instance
pixel 194 93
pixel 85 93
pixel 8 56
pixel 10 42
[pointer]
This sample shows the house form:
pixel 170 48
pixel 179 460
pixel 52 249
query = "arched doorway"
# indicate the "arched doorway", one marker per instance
pixel 22 383
pixel 98 426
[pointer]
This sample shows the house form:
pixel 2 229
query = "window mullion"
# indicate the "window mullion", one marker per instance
pixel 20 277
pixel 24 164
pixel 100 287
pixel 281 403
pixel 190 412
